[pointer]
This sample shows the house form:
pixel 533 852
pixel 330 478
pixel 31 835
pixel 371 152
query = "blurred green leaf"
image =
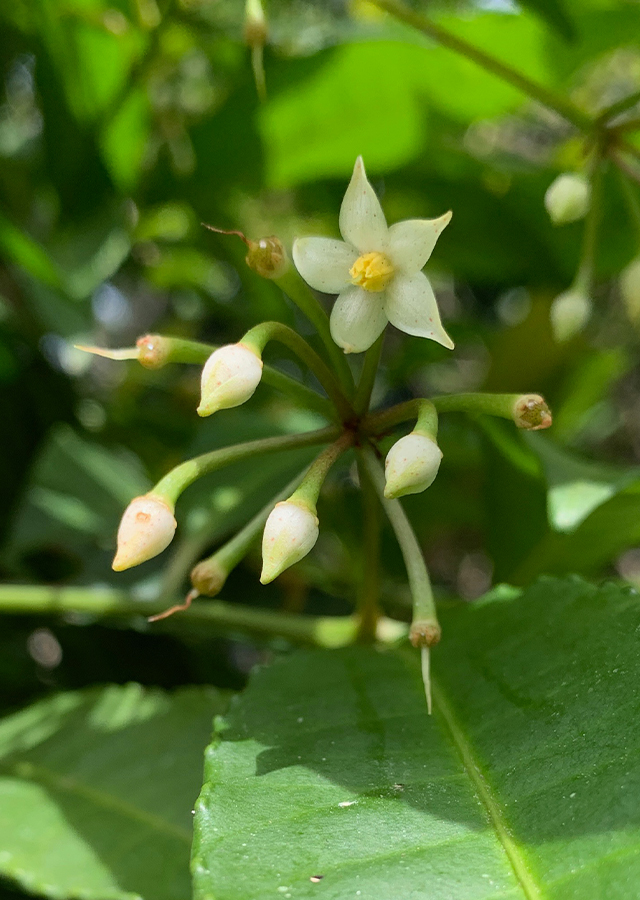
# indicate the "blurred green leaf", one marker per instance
pixel 31 257
pixel 98 789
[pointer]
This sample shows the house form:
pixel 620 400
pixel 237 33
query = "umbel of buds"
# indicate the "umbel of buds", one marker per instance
pixel 146 529
pixel 411 465
pixel 291 531
pixel 229 378
pixel 567 198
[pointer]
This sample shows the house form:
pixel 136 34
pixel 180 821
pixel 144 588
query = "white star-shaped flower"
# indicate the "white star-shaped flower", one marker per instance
pixel 376 271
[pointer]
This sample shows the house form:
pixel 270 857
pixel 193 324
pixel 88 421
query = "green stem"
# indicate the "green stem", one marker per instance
pixel 257 65
pixel 311 485
pixel 217 567
pixel 629 170
pixel 631 199
pixel 583 281
pixel 299 291
pixel 174 482
pixel 620 106
pixel 532 89
pixel 257 338
pixel 322 631
pixel 154 351
pixel 368 599
pixel 425 629
pixel 370 365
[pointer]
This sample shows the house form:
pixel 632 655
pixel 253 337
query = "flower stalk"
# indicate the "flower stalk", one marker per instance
pixel 260 335
pixel 425 629
pixel 209 575
pixel 527 411
pixel 178 479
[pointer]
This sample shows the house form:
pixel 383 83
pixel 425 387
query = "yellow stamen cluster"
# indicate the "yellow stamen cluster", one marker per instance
pixel 372 271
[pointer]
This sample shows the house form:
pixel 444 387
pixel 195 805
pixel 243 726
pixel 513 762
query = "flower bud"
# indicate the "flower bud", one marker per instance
pixel 570 312
pixel 153 350
pixel 411 465
pixel 208 577
pixel 267 257
pixel 630 289
pixel 229 378
pixel 567 198
pixel 532 413
pixel 146 529
pixel 289 534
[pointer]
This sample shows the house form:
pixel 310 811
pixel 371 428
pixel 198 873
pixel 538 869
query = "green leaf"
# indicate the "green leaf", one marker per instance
pixel 522 786
pixel 97 789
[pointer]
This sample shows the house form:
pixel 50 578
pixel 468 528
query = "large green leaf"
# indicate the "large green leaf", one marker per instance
pixel 524 784
pixel 96 792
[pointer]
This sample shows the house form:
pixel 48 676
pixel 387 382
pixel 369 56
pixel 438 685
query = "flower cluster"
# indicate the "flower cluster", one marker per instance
pixel 376 272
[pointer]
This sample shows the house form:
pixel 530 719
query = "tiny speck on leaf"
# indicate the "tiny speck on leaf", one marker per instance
pixel 316 878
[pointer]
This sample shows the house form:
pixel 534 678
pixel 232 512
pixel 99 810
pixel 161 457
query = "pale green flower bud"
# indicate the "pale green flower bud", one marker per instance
pixel 567 198
pixel 630 289
pixel 531 412
pixel 208 577
pixel 411 465
pixel 268 257
pixel 291 531
pixel 570 312
pixel 146 529
pixel 229 378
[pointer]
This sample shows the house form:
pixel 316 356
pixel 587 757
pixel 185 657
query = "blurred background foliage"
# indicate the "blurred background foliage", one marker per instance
pixel 124 124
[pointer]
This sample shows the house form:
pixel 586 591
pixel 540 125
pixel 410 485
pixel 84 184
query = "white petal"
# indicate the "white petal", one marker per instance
pixel 324 263
pixel 362 222
pixel 357 319
pixel 411 306
pixel 411 243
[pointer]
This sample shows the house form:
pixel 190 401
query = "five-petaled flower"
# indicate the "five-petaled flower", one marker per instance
pixel 376 271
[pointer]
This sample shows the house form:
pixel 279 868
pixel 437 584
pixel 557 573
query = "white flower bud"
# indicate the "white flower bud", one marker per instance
pixel 411 465
pixel 567 198
pixel 289 534
pixel 630 289
pixel 146 529
pixel 229 378
pixel 570 312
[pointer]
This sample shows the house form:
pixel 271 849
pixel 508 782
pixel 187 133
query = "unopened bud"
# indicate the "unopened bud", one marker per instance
pixel 208 577
pixel 425 633
pixel 411 465
pixel 567 198
pixel 630 289
pixel 289 534
pixel 255 23
pixel 570 312
pixel 267 257
pixel 153 350
pixel 146 529
pixel 532 413
pixel 229 378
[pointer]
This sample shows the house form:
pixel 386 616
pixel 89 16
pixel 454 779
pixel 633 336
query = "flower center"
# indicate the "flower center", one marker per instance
pixel 372 271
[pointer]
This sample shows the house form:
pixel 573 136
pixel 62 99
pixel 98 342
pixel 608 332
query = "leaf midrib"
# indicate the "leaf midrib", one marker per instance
pixel 48 777
pixel 516 859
